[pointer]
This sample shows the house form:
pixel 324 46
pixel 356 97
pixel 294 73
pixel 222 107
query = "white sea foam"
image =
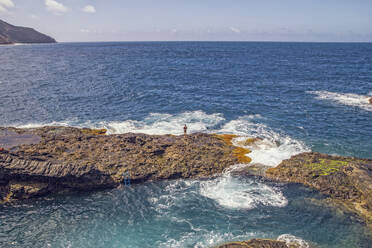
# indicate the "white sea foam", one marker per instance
pixel 54 123
pixel 270 151
pixel 213 238
pixel 361 101
pixel 155 123
pixel 291 239
pixel 205 239
pixel 273 147
pixel 72 122
pixel 234 193
pixel 228 191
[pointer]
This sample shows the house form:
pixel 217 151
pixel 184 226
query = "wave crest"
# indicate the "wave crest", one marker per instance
pixel 270 151
pixel 234 193
pixel 291 239
pixel 349 99
pixel 273 146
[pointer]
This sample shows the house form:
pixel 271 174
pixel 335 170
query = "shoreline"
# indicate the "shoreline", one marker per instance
pixel 40 161
pixel 36 162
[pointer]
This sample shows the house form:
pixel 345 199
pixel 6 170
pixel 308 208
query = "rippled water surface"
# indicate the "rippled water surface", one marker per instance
pixel 296 96
pixel 179 214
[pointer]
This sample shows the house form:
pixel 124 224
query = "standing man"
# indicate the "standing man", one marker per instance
pixel 185 130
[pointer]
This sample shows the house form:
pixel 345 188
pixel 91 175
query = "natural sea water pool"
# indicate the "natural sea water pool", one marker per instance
pixel 180 213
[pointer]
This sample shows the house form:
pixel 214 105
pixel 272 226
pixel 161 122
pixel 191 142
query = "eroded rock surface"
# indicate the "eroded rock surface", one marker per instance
pixel 259 243
pixel 344 179
pixel 58 159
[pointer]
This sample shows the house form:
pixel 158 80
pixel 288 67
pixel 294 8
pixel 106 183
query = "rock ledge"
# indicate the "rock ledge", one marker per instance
pixel 40 161
pixel 346 180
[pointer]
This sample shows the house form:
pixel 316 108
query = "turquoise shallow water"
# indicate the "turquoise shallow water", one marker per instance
pixel 296 96
pixel 179 214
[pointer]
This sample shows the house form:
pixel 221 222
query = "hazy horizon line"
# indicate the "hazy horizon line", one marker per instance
pixel 231 41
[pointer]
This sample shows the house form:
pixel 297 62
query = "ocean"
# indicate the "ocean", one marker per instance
pixel 297 97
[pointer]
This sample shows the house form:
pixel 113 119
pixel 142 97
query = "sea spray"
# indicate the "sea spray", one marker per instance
pixel 349 99
pixel 271 148
pixel 291 239
pixel 241 193
pixel 156 123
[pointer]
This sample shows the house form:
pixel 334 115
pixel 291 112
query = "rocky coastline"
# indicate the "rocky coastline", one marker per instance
pixel 51 160
pixel 346 180
pixel 260 243
pixel 41 161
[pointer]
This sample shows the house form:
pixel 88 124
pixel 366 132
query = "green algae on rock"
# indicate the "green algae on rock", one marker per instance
pixel 345 179
pixel 61 159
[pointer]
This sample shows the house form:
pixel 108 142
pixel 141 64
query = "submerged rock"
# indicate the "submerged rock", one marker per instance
pixel 259 243
pixel 345 179
pixel 46 160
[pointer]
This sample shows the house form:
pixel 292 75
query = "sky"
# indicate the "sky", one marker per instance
pixel 194 20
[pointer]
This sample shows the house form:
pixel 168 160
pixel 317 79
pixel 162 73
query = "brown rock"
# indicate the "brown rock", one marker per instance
pixel 258 243
pixel 345 179
pixel 53 159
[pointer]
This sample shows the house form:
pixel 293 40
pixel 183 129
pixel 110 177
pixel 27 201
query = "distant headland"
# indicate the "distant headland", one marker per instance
pixel 10 34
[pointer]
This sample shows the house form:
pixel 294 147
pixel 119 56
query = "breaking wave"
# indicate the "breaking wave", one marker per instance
pixel 349 99
pixel 273 146
pixel 231 192
pixel 226 192
pixel 291 239
pixel 155 123
pixel 207 239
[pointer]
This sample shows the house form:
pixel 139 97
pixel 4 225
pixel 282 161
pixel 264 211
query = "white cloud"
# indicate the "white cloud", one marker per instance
pixel 5 4
pixel 35 17
pixel 89 9
pixel 235 30
pixel 89 31
pixel 55 7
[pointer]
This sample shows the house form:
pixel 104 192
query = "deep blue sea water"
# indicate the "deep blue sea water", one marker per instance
pixel 296 96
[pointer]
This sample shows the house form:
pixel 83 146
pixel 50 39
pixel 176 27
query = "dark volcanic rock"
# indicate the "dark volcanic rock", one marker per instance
pixel 12 34
pixel 258 243
pixel 344 179
pixel 56 159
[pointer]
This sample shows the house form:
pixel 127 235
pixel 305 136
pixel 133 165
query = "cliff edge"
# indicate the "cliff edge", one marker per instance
pixel 10 34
